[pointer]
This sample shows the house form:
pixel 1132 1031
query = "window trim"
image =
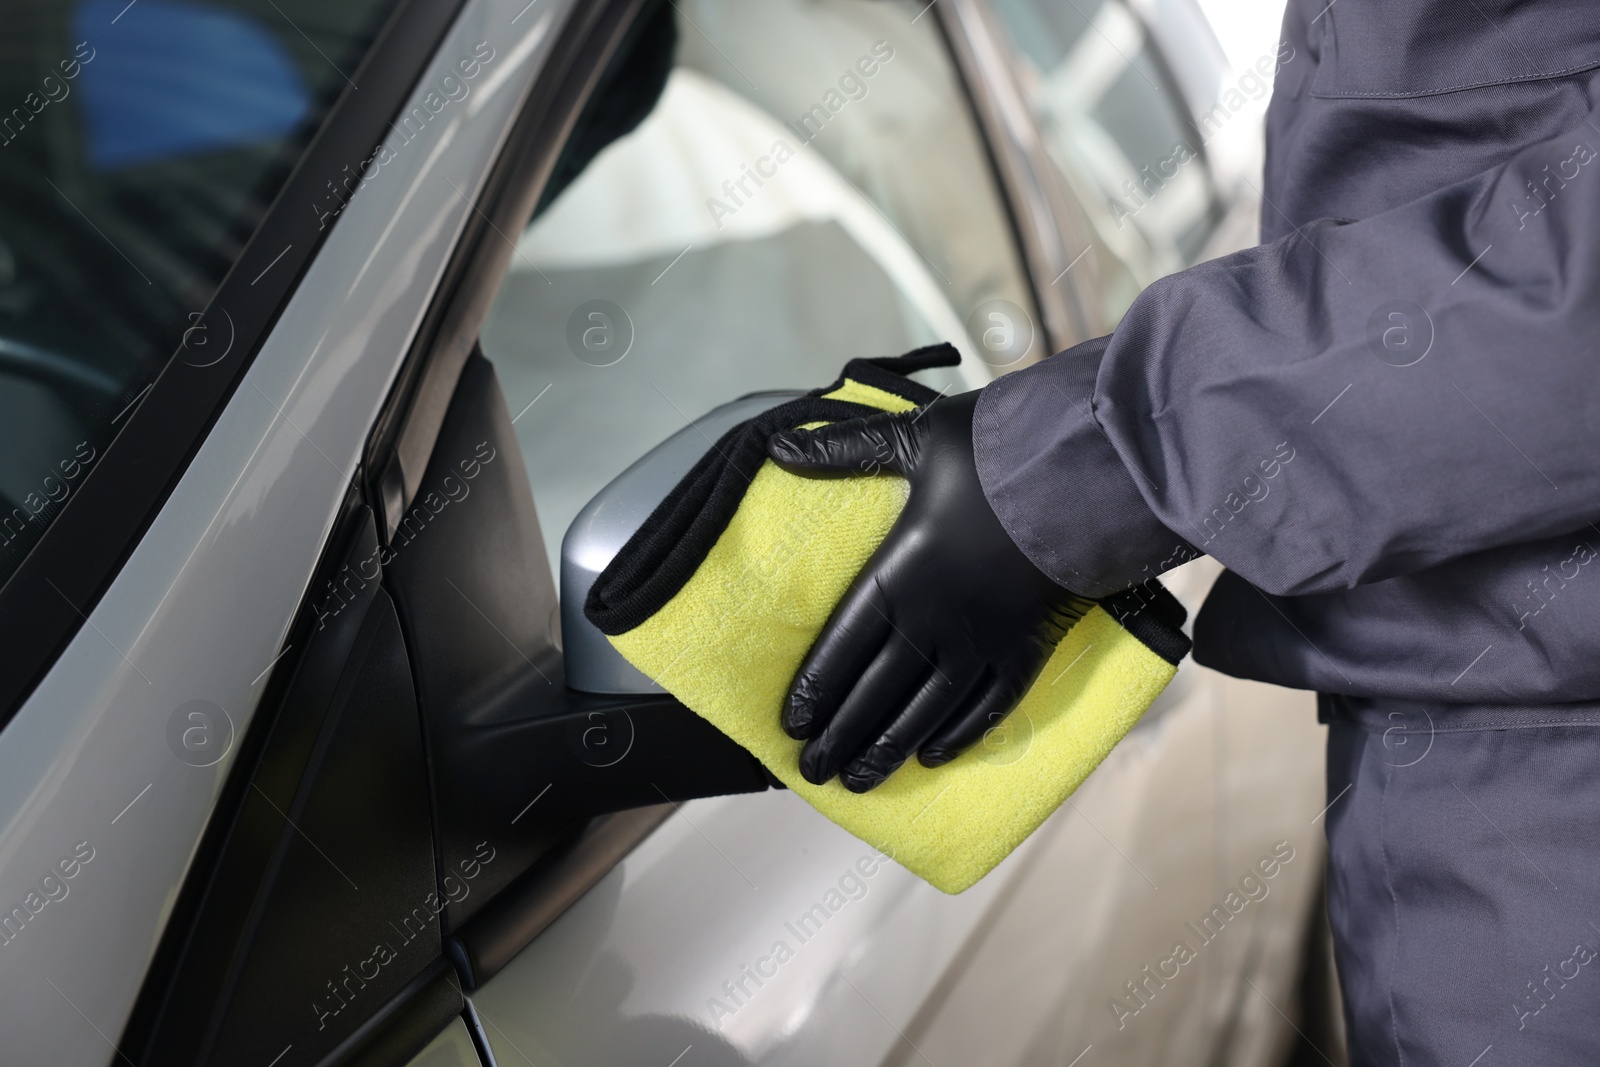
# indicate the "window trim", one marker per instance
pixel 1066 208
pixel 403 435
pixel 1042 219
pixel 44 603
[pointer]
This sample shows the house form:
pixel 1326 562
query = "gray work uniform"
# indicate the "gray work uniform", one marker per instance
pixel 1385 422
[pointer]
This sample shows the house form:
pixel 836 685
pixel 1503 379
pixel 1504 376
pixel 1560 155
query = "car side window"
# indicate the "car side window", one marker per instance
pixel 1119 132
pixel 809 187
pixel 140 146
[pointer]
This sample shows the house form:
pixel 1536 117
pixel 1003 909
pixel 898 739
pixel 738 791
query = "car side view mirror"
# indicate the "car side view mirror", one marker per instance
pixel 607 522
pixel 532 752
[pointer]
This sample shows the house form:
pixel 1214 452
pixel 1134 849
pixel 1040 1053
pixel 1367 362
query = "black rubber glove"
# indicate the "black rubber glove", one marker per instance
pixel 947 624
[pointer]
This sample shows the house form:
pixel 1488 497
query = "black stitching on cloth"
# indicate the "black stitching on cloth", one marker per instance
pixel 1492 83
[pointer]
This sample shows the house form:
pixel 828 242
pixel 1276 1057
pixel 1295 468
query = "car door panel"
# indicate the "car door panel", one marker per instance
pixel 669 949
pixel 680 945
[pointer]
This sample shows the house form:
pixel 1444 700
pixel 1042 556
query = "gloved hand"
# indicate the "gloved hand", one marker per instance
pixel 947 624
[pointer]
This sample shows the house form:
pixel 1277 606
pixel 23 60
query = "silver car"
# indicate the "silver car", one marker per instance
pixel 330 336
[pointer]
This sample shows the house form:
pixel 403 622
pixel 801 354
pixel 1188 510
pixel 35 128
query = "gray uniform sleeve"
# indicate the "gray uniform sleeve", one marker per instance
pixel 1356 401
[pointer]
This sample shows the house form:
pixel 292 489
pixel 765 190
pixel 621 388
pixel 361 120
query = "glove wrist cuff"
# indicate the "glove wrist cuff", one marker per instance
pixel 1058 486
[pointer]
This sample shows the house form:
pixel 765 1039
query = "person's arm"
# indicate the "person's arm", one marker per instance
pixel 1254 407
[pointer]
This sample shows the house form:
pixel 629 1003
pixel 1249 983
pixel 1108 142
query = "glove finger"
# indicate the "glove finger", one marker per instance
pixel 854 635
pixel 985 709
pixel 878 696
pixel 927 713
pixel 853 446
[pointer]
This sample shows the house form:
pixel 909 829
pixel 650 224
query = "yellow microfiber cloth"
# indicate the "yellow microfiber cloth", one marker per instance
pixel 722 592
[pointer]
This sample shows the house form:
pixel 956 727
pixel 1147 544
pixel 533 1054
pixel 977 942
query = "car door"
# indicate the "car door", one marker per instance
pixel 702 237
pixel 719 247
pixel 810 183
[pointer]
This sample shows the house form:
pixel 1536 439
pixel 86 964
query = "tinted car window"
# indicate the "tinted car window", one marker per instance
pixel 140 145
pixel 1120 134
pixel 809 187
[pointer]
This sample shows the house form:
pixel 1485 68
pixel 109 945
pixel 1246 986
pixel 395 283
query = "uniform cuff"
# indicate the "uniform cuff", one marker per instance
pixel 1058 486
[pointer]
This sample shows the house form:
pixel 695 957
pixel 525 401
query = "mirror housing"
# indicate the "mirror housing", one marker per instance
pixel 521 766
pixel 607 522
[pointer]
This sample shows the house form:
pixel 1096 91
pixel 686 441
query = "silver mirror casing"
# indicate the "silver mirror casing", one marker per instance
pixel 604 526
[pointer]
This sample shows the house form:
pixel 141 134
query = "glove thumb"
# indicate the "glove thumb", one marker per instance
pixel 888 441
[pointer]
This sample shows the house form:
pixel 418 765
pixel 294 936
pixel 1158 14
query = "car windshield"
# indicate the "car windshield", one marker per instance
pixel 140 145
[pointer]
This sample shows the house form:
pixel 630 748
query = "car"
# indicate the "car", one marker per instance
pixel 325 333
